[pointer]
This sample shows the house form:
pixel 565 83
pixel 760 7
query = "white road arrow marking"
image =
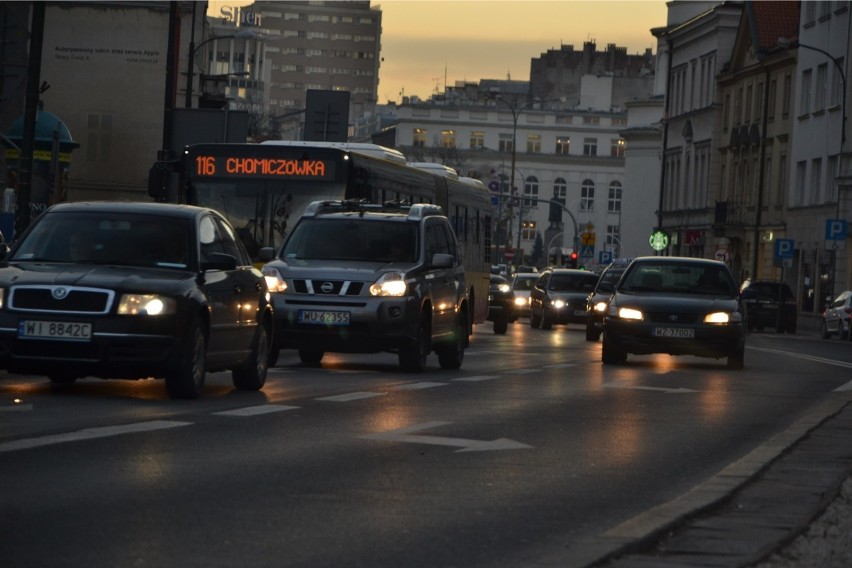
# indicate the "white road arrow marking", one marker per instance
pixel 406 435
pixel 679 390
pixel 351 396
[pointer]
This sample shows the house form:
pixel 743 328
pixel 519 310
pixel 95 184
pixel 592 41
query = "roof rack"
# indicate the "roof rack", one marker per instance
pixel 362 206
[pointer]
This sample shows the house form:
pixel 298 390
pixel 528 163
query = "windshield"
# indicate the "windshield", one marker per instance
pixel 524 283
pixel 352 239
pixel 262 212
pixel 108 238
pixel 692 277
pixel 573 282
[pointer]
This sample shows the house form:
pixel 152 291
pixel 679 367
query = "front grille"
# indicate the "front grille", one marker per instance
pixel 60 299
pixel 672 318
pixel 328 287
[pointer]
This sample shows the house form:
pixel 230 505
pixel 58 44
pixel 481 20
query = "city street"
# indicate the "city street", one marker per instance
pixel 529 452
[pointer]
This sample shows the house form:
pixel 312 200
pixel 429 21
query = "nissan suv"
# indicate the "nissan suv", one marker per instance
pixel 355 277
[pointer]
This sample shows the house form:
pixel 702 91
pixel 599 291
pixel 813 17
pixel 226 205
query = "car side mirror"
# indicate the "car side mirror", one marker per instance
pixel 441 260
pixel 219 261
pixel 266 254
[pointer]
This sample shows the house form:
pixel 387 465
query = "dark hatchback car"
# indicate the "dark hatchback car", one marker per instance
pixel 675 305
pixel 769 305
pixel 559 297
pixel 501 303
pixel 598 300
pixel 133 290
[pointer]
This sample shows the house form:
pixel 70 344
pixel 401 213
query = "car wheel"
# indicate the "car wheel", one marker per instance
pixel 736 360
pixel 451 355
pixel 824 331
pixel 500 325
pixel 592 334
pixel 187 380
pixel 251 375
pixel 311 356
pixel 535 320
pixel 412 355
pixel 546 320
pixel 611 354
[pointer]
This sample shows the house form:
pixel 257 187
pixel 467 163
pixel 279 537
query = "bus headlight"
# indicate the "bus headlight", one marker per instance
pixel 389 284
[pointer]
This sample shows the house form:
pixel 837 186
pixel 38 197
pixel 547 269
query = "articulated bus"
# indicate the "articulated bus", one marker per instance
pixel 263 189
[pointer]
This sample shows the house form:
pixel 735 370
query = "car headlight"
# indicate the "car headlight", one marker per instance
pixel 389 284
pixel 723 317
pixel 274 281
pixel 2 297
pixel 520 301
pixel 504 288
pixel 600 307
pixel 558 304
pixel 146 305
pixel 630 314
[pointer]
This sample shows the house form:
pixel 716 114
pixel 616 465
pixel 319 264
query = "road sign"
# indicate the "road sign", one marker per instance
pixel 835 234
pixel 605 257
pixel 587 238
pixel 509 254
pixel 493 185
pixel 587 251
pixel 722 255
pixel 784 248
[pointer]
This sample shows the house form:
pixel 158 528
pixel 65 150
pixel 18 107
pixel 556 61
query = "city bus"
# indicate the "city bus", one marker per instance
pixel 263 189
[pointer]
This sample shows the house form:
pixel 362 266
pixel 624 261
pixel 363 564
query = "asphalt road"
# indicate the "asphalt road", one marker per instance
pixel 533 454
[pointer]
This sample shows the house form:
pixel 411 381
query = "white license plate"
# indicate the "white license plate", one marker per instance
pixel 679 332
pixel 323 318
pixel 55 330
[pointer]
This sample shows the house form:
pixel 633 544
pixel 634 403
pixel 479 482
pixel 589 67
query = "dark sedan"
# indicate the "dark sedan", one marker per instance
pixel 559 297
pixel 133 290
pixel 675 305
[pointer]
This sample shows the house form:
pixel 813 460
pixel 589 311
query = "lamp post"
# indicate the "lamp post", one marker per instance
pixel 190 67
pixel 786 44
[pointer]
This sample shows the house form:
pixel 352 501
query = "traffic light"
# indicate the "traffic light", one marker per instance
pixel 572 259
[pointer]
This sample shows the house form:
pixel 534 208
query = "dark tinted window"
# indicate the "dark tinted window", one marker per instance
pixel 352 239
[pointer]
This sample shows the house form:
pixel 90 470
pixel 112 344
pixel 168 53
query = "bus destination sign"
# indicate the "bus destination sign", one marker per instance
pixel 255 167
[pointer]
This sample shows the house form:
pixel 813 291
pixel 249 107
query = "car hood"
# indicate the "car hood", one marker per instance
pixel 96 276
pixel 338 269
pixel 567 295
pixel 676 303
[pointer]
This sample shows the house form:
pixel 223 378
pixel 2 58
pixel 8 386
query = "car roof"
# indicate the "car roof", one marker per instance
pixel 144 207
pixel 677 260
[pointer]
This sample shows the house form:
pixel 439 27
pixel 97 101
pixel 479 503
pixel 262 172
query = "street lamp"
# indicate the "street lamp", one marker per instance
pixel 786 43
pixel 190 67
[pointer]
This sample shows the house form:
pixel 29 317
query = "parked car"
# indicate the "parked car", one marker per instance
pixel 559 297
pixel 522 283
pixel 836 317
pixel 770 304
pixel 357 277
pixel 501 303
pixel 598 301
pixel 675 305
pixel 134 290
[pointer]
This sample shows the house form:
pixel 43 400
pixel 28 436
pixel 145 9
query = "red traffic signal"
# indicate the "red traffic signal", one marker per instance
pixel 574 256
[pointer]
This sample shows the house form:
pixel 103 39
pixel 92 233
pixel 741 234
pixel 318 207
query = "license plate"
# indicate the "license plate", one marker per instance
pixel 679 332
pixel 579 312
pixel 55 330
pixel 323 317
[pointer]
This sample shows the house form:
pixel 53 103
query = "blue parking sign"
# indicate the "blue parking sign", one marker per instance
pixel 784 248
pixel 605 257
pixel 835 229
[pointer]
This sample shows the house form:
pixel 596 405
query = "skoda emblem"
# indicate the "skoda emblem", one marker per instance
pixel 673 317
pixel 59 293
pixel 327 287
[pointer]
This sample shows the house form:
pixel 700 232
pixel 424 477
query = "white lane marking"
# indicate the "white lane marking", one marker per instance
pixel 90 433
pixel 803 356
pixel 421 385
pixel 351 396
pixel 405 435
pixel 476 378
pixel 679 390
pixel 844 388
pixel 521 371
pixel 560 366
pixel 255 410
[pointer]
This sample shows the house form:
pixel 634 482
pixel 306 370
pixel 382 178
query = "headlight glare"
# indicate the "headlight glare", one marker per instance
pixel 145 305
pixel 723 317
pixel 504 288
pixel 630 314
pixel 274 281
pixel 600 307
pixel 389 284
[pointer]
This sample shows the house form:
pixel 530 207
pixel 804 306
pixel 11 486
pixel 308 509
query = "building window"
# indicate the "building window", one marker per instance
pixel 617 148
pixel 505 143
pixel 614 201
pixel 448 139
pixel 477 140
pixel 587 196
pixel 773 92
pixel 531 192
pixel 528 230
pixel 785 101
pixel 726 112
pixel 563 144
pixel 590 146
pixel 613 238
pixel 591 120
pixel 805 95
pixel 816 181
pixel 560 189
pixel 533 143
pixel 420 137
pixel 820 85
